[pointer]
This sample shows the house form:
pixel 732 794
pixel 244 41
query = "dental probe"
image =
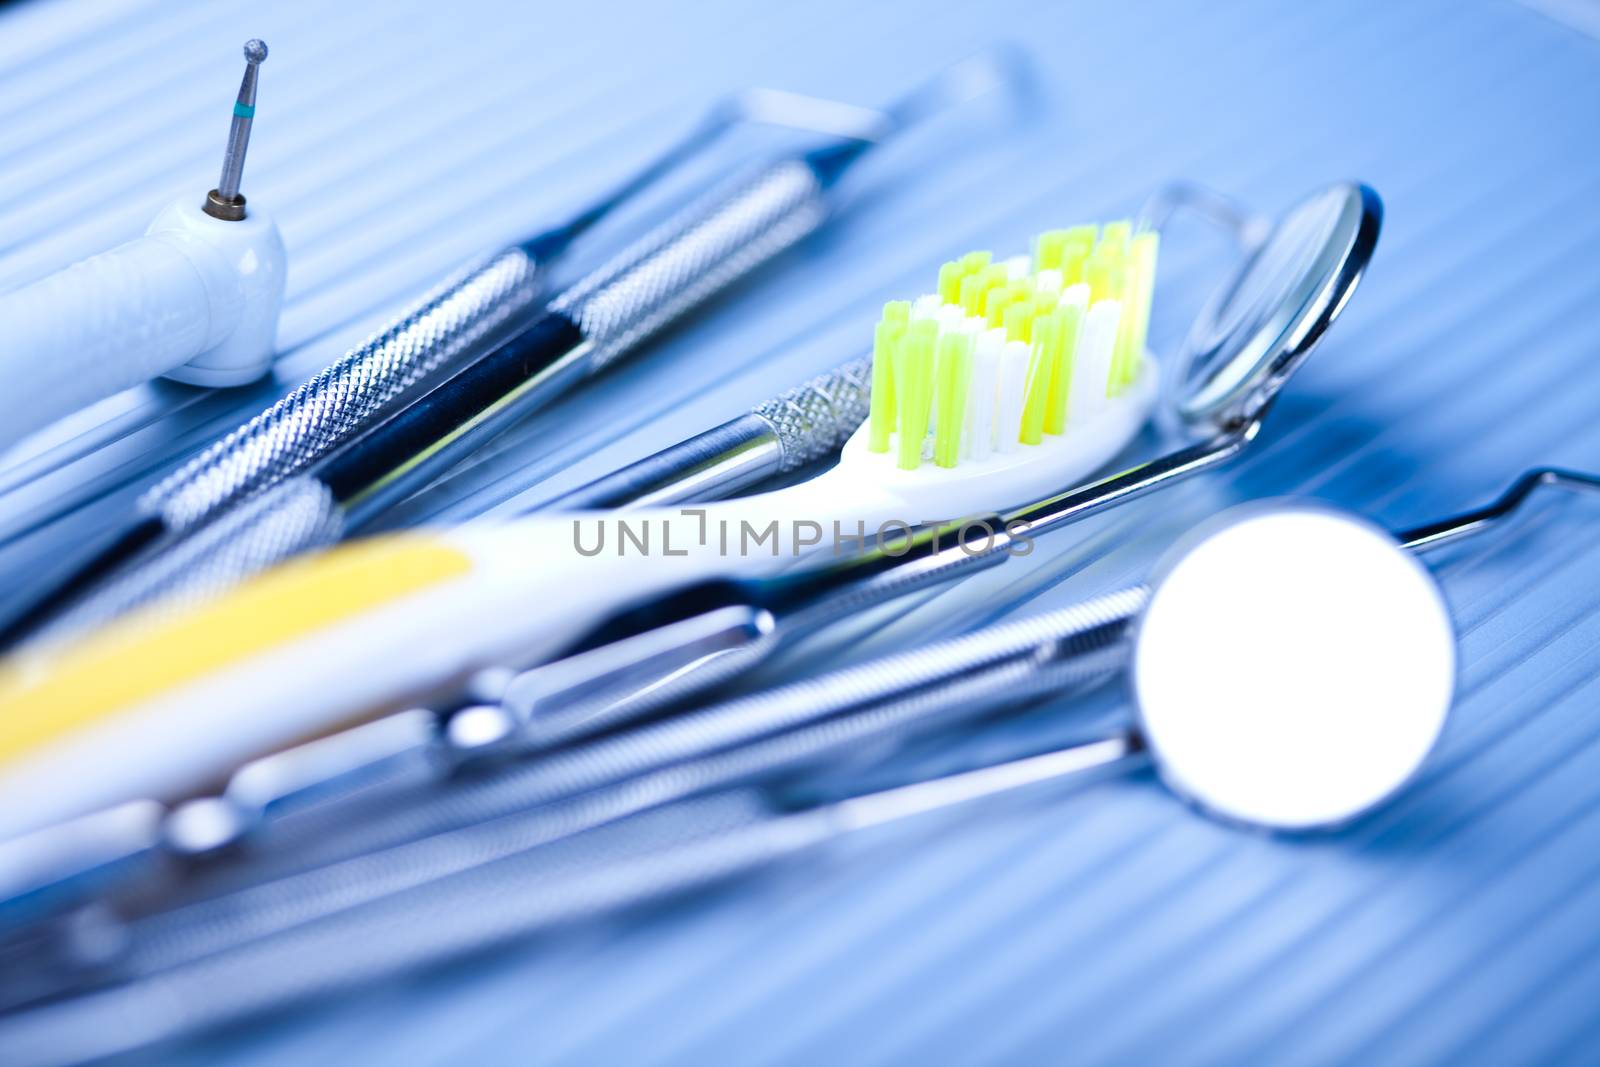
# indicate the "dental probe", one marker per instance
pixel 195 299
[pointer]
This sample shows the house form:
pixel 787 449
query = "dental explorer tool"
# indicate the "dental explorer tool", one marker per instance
pixel 602 318
pixel 195 299
pixel 1291 669
pixel 595 782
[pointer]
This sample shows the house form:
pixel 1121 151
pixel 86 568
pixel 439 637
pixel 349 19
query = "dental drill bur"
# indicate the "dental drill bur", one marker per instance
pixel 195 299
pixel 224 202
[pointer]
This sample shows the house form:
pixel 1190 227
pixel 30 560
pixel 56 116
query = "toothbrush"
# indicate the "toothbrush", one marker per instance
pixel 357 630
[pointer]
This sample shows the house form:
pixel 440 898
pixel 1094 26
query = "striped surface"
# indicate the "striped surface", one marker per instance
pixel 1110 927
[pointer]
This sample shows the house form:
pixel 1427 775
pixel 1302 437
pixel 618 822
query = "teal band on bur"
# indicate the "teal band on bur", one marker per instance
pixel 244 111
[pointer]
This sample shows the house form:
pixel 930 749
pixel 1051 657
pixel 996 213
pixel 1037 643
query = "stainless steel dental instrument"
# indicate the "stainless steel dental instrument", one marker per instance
pixel 794 428
pixel 599 781
pixel 360 464
pixel 1291 669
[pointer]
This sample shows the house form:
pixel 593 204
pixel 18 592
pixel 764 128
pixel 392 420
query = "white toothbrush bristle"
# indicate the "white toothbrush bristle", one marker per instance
pixel 1014 359
pixel 1092 366
pixel 984 398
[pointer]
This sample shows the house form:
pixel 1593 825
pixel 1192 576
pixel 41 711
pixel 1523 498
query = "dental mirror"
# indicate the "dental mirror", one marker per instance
pixel 1292 668
pixel 1259 328
pixel 1249 339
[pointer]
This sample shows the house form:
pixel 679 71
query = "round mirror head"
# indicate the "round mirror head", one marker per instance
pixel 1293 668
pixel 1263 323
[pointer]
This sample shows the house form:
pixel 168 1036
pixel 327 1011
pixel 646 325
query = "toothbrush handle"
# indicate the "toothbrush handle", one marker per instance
pixel 792 429
pixel 659 654
pixel 671 648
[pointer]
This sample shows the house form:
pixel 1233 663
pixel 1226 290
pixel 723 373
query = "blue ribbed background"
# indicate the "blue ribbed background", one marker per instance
pixel 1461 925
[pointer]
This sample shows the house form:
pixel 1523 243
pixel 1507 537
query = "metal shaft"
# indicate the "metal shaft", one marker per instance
pixel 225 202
pixel 796 427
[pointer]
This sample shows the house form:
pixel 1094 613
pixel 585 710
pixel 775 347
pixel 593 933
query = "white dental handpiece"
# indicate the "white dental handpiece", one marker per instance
pixel 195 299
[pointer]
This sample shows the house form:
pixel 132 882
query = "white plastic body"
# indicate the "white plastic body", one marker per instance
pixel 534 587
pixel 195 299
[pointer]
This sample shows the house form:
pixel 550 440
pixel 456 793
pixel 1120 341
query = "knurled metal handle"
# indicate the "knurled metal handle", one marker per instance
pixel 814 420
pixel 683 262
pixel 325 411
pixel 792 429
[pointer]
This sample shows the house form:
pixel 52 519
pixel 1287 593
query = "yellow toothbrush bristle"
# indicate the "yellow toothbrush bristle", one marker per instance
pixel 975 262
pixel 950 276
pixel 955 369
pixel 1048 248
pixel 1140 289
pixel 914 390
pixel 1069 317
pixel 885 344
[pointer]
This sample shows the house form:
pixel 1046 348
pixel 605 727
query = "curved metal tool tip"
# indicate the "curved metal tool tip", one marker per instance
pixel 1448 531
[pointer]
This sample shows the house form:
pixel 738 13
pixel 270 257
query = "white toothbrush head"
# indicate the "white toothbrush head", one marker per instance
pixel 1016 377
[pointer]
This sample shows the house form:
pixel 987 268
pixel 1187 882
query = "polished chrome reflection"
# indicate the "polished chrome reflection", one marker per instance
pixel 1260 327
pixel 1252 336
